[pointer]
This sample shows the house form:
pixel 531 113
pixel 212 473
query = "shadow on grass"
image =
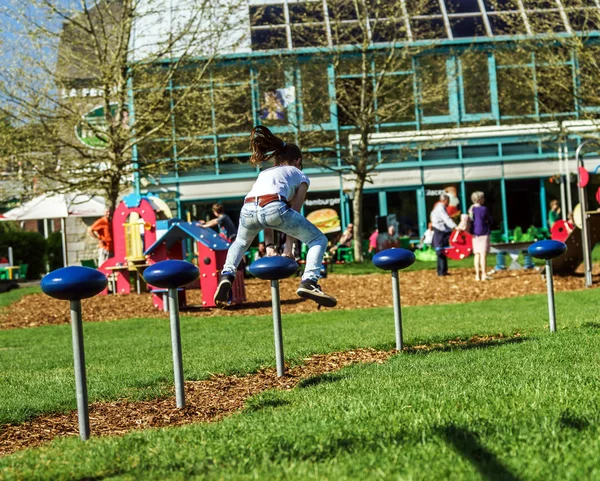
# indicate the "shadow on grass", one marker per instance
pixel 245 305
pixel 474 342
pixel 572 421
pixel 591 325
pixel 320 379
pixel 258 404
pixel 468 444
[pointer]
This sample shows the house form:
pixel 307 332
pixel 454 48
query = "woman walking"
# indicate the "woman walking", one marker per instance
pixel 482 227
pixel 274 202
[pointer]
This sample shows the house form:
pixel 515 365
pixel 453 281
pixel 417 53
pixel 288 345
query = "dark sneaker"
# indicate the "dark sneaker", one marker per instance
pixel 223 295
pixel 311 290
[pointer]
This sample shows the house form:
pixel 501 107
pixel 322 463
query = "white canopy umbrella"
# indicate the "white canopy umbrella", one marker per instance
pixel 57 206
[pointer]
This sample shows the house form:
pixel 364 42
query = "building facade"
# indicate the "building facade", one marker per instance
pixel 496 122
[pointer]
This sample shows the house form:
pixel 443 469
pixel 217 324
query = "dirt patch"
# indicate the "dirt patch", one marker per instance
pixel 364 291
pixel 206 401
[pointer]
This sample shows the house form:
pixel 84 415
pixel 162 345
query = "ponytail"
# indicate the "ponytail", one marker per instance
pixel 265 146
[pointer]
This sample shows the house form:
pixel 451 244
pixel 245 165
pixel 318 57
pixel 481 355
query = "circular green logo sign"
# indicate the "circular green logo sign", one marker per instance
pixel 90 128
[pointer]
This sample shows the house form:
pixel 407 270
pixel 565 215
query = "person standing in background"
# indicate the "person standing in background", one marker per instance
pixel 553 213
pixel 102 231
pixel 442 227
pixel 482 227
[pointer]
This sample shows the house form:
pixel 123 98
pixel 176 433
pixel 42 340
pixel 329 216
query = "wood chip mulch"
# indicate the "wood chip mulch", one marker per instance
pixel 363 291
pixel 206 401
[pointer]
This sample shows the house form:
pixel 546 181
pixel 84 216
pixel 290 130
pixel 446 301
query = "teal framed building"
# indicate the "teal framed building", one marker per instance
pixel 498 127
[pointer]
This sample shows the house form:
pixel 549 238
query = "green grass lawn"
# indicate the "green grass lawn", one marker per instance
pixel 524 410
pixel 7 298
pixel 132 358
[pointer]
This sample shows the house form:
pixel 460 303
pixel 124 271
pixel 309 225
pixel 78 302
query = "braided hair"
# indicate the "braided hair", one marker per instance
pixel 266 146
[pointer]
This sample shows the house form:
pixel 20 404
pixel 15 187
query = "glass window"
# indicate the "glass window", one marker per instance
pixel 341 10
pixel 515 91
pixel 192 112
pixel 500 5
pixel 306 12
pixel 269 38
pixel 433 86
pixel 478 151
pixel 395 99
pixel 388 31
pixel 442 153
pixel 232 165
pixel 520 149
pixel 266 15
pixel 462 6
pixel 233 108
pixel 348 92
pixel 540 4
pixel 588 76
pixel 467 27
pixel 584 20
pixel 523 203
pixel 423 7
pixel 546 22
pixel 316 103
pixel 274 95
pixel 507 24
pixel 309 36
pixel 403 205
pixel 476 83
pixel 428 29
pixel 347 33
pixel 555 89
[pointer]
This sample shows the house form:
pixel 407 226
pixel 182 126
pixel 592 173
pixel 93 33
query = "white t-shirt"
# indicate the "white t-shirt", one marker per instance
pixel 283 180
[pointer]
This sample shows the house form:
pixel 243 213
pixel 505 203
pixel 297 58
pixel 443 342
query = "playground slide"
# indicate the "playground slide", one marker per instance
pixel 570 261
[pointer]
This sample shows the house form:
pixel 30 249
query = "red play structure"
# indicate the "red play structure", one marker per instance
pixel 143 234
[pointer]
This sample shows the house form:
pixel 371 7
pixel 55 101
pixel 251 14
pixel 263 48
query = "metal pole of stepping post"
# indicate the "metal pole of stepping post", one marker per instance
pixel 80 377
pixel 176 347
pixel 397 309
pixel 277 328
pixel 550 284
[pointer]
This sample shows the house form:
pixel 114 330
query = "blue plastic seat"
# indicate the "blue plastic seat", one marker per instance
pixel 394 259
pixel 74 283
pixel 170 274
pixel 273 268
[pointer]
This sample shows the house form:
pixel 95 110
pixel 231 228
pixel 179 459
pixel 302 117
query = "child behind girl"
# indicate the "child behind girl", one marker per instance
pixel 274 202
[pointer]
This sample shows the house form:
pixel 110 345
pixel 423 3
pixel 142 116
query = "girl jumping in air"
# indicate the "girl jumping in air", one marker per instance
pixel 274 202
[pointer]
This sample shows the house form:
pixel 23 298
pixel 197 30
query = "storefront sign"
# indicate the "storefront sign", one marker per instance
pixel 318 202
pixel 89 130
pixel 326 220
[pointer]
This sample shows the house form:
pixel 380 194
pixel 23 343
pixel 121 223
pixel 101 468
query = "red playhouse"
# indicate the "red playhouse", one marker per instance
pixel 144 233
pixel 205 245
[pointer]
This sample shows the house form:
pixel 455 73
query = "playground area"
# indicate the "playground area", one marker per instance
pixel 477 384
pixel 353 292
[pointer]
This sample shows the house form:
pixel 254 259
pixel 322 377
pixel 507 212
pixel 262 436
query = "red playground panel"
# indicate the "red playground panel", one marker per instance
pixel 461 245
pixel 212 252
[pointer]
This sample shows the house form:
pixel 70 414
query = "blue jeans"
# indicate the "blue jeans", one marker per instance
pixel 277 215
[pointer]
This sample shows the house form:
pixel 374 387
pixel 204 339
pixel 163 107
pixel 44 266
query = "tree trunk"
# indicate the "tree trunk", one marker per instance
pixel 357 215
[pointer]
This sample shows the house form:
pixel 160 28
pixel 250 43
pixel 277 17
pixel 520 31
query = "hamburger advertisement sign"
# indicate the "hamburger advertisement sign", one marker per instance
pixel 326 220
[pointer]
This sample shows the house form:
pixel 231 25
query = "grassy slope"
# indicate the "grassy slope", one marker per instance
pixel 7 298
pixel 132 358
pixel 520 411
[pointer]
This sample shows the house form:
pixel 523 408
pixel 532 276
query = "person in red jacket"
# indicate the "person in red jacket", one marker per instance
pixel 101 230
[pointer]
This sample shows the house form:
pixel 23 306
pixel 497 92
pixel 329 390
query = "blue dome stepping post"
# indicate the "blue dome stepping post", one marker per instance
pixel 395 260
pixel 548 250
pixel 73 284
pixel 171 275
pixel 273 269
